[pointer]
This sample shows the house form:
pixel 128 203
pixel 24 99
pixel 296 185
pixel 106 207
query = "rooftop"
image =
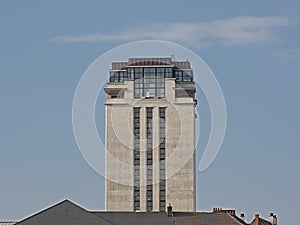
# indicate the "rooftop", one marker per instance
pixel 69 213
pixel 151 62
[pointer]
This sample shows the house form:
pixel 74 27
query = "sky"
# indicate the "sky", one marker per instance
pixel 251 46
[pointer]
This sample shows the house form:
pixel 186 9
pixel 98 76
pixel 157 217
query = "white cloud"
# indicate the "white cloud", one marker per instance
pixel 228 32
pixel 288 55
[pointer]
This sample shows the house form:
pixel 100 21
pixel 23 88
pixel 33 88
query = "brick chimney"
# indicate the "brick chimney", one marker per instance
pixel 256 220
pixel 273 219
pixel 220 210
pixel 229 211
pixel 217 210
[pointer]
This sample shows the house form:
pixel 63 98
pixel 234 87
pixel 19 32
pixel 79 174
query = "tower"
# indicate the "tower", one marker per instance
pixel 150 135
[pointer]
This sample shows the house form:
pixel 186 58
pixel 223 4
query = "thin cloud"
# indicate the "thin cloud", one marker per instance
pixel 288 55
pixel 228 32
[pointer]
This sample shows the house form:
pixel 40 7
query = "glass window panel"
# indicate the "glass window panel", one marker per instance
pixel 186 77
pixel 152 70
pixel 160 93
pixel 178 75
pixel 137 76
pixel 152 92
pixel 151 85
pixel 169 72
pixel 138 70
pixel 160 70
pixel 130 73
pixel 138 86
pixel 123 74
pixel 138 73
pixel 149 92
pixel 138 93
pixel 160 82
pixel 138 81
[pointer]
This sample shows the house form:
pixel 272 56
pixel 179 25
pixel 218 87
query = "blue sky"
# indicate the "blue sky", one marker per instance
pixel 252 47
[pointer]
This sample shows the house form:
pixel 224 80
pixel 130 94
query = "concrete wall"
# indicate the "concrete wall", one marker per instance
pixel 180 139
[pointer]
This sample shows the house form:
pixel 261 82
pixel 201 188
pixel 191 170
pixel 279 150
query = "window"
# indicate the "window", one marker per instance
pixel 162 158
pixel 169 72
pixel 149 87
pixel 149 82
pixel 138 73
pixel 138 88
pixel 149 72
pixel 160 87
pixel 183 76
pixel 117 76
pixel 149 198
pixel 149 116
pixel 136 157
pixel 141 73
pixel 130 73
pixel 160 72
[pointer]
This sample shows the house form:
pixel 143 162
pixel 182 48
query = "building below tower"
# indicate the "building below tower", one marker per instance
pixel 69 213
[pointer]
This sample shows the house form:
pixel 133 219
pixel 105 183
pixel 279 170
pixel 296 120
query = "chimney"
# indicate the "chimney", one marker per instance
pixel 256 220
pixel 273 219
pixel 229 211
pixel 217 210
pixel 242 216
pixel 169 210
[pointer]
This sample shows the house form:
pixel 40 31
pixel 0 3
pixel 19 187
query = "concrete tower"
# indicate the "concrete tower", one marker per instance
pixel 150 136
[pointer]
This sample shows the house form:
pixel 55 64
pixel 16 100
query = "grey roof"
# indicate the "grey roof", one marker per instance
pixel 7 223
pixel 207 218
pixel 136 218
pixel 150 62
pixel 68 213
pixel 262 222
pixel 64 213
pixel 182 64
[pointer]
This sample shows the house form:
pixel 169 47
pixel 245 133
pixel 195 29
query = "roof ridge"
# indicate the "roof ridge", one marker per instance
pixel 91 213
pixel 44 210
pixel 103 218
pixel 236 218
pixel 57 204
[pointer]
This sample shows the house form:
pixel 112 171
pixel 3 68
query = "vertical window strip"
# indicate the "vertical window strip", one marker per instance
pixel 136 158
pixel 149 116
pixel 162 158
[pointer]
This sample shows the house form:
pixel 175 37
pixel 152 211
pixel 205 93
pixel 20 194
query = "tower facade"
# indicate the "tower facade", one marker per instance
pixel 150 136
